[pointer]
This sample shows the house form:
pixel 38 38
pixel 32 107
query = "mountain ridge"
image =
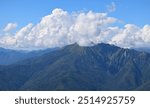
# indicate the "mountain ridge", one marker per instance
pixel 98 67
pixel 10 56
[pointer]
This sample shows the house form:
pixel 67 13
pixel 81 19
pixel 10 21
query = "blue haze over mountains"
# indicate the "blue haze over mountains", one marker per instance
pixel 73 67
pixel 9 56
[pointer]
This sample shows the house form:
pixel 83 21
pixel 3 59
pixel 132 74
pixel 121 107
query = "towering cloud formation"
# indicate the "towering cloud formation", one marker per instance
pixel 61 28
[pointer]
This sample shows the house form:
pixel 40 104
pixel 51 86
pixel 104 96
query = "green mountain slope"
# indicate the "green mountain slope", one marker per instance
pixel 99 67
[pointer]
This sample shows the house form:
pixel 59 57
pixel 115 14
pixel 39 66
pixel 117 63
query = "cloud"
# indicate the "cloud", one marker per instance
pixel 111 7
pixel 9 27
pixel 61 28
pixel 132 36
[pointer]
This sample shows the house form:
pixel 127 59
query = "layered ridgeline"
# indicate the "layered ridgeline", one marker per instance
pixel 99 67
pixel 8 56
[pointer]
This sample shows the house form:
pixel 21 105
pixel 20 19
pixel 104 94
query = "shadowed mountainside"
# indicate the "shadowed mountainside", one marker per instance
pixel 99 67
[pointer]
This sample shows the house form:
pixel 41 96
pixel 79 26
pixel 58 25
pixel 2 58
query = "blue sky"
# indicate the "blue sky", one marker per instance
pixel 23 12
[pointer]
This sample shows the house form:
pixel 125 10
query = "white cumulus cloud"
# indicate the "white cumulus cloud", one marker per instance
pixel 132 36
pixel 61 28
pixel 10 26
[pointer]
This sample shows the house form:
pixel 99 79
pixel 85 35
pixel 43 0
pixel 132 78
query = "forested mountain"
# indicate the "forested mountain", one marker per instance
pixel 98 67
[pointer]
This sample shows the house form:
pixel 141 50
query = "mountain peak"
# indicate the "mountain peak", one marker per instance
pixel 74 48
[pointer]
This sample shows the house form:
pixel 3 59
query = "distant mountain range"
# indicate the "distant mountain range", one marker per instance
pixel 143 49
pixel 8 56
pixel 99 67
